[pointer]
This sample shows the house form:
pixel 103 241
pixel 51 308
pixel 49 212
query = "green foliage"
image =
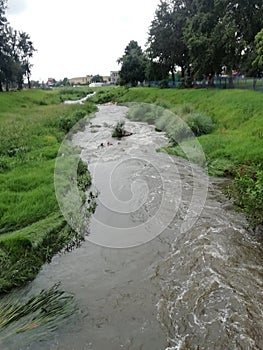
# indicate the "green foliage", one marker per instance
pixel 66 123
pixel 118 130
pixel 69 93
pixel 3 165
pixel 16 49
pixel 84 179
pixel 106 95
pixel 237 116
pixel 203 36
pixel 166 37
pixel 200 124
pixel 31 227
pixel 36 315
pixel 97 79
pixel 235 134
pixel 258 62
pixel 248 191
pixel 182 124
pixel 103 96
pixel 163 84
pixel 133 65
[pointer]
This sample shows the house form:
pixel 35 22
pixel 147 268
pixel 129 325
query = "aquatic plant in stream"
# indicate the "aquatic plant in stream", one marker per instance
pixel 118 130
pixel 37 315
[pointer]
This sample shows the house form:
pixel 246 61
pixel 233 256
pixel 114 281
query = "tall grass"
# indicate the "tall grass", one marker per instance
pixel 33 317
pixel 237 116
pixel 32 126
pixel 229 126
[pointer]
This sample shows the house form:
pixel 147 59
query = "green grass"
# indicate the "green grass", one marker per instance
pixel 34 123
pixel 232 145
pixel 237 115
pixel 32 127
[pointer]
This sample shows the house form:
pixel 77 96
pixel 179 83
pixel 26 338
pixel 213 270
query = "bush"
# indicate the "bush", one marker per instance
pixel 66 123
pixel 118 130
pixel 104 96
pixel 200 124
pixel 178 131
pixel 84 179
pixel 4 166
pixel 248 188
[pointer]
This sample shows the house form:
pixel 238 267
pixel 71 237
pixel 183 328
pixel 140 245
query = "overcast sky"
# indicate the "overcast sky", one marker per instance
pixel 80 37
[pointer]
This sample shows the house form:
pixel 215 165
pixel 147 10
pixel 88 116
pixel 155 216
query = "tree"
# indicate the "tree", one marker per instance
pixel 166 43
pixel 205 36
pixel 156 71
pixel 97 79
pixel 258 62
pixel 133 65
pixel 16 49
pixel 221 33
pixel 2 42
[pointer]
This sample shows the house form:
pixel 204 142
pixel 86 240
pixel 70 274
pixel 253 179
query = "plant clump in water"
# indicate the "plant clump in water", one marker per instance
pixel 44 311
pixel 119 130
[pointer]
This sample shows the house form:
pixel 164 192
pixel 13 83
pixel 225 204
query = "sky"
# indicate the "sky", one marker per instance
pixel 75 38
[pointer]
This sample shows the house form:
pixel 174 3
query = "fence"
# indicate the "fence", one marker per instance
pixel 220 83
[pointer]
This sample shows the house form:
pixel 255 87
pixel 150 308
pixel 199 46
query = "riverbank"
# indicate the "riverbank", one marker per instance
pixel 32 229
pixel 233 147
pixel 199 255
pixel 34 123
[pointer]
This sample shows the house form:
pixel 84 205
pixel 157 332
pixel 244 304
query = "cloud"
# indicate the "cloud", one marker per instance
pixel 16 7
pixel 85 38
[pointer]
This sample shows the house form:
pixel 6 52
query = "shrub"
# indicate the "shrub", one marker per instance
pixel 104 96
pixel 163 121
pixel 67 122
pixel 84 179
pixel 178 131
pixel 248 187
pixel 118 130
pixel 4 166
pixel 200 124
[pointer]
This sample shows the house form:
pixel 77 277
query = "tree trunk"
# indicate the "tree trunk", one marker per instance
pixel 173 75
pixel 28 82
pixel 183 72
pixel 20 83
pixel 230 77
pixel 1 87
pixel 189 81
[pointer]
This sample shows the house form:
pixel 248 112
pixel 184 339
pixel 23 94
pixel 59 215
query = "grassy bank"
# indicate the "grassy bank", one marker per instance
pixel 234 142
pixel 32 127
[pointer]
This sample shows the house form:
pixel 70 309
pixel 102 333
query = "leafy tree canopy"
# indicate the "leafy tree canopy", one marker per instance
pixel 16 49
pixel 97 79
pixel 206 36
pixel 133 64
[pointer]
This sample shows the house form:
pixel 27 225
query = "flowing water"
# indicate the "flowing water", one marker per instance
pixel 167 263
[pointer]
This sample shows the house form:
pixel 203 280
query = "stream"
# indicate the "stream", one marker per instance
pixel 167 263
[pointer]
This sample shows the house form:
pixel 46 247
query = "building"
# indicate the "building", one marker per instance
pixel 78 81
pixel 114 76
pixel 106 79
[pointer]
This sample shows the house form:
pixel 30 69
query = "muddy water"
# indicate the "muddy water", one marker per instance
pixel 166 263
